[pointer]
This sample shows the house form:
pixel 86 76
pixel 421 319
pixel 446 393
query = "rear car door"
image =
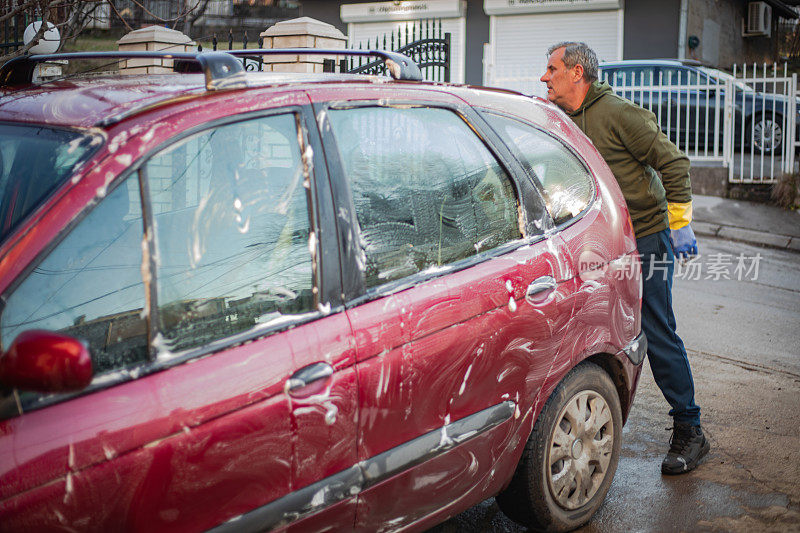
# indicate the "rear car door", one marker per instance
pixel 441 245
pixel 224 381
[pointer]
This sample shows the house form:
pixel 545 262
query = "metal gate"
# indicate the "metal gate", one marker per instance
pixel 762 123
pixel 746 121
pixel 12 29
pixel 689 109
pixel 424 41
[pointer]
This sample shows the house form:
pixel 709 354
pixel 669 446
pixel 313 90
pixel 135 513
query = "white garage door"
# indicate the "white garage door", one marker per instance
pixel 520 43
pixel 361 32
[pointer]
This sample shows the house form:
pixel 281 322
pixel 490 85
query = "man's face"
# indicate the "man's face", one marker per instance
pixel 559 79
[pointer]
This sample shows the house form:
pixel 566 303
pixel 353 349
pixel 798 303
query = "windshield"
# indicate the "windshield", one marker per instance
pixel 34 161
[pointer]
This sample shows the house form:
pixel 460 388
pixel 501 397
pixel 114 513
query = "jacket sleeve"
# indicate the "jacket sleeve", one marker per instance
pixel 639 132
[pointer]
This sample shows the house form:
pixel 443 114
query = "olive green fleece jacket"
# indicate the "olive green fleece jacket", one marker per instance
pixel 629 139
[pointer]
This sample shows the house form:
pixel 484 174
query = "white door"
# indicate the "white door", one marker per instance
pixel 519 44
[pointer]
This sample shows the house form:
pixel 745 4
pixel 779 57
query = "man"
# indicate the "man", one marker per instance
pixel 629 139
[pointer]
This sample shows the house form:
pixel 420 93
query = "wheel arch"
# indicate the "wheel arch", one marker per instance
pixel 616 371
pixel 526 498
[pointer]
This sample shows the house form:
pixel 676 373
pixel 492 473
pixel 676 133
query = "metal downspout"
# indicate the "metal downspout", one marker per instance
pixel 682 28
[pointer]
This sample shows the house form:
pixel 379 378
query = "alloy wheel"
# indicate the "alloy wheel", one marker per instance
pixel 767 135
pixel 580 449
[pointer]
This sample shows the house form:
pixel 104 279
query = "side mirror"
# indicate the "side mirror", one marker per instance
pixel 46 362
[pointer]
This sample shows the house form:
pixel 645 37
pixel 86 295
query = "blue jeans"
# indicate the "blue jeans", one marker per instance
pixel 665 349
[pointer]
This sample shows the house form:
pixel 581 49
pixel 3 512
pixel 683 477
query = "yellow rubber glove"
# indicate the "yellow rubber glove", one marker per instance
pixel 680 214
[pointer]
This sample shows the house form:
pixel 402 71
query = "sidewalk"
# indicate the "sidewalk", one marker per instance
pixel 749 222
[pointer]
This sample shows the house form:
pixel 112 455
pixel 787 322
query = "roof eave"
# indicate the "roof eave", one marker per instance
pixel 782 9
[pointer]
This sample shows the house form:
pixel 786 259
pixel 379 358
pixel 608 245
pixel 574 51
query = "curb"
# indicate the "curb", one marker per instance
pixel 759 238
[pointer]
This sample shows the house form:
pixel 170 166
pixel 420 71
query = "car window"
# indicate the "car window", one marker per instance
pixel 233 238
pixel 629 76
pixel 565 182
pixel 90 285
pixel 34 160
pixel 682 76
pixel 426 190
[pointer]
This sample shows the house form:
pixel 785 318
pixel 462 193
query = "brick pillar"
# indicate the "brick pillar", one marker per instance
pixel 303 32
pixel 152 39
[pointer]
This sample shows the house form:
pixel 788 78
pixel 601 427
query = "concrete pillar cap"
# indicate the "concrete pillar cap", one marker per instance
pixel 304 26
pixel 155 34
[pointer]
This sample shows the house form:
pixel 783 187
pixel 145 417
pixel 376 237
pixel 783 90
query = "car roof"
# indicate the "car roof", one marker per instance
pixel 86 102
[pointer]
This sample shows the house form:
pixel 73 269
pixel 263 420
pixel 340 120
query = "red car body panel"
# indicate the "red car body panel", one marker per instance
pixel 439 483
pixel 492 347
pixel 213 438
pixel 157 413
pixel 601 247
pixel 221 425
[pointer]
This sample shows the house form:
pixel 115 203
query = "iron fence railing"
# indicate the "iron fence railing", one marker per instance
pixel 12 31
pixel 746 121
pixel 253 64
pixel 424 41
pixel 689 108
pixel 766 140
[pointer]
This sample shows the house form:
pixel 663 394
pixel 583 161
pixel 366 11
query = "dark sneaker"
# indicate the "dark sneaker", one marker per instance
pixel 686 447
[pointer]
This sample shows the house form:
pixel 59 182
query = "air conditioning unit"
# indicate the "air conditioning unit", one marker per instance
pixel 759 19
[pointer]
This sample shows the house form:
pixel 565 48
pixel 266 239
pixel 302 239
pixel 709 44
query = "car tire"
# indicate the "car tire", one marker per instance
pixel 761 123
pixel 544 494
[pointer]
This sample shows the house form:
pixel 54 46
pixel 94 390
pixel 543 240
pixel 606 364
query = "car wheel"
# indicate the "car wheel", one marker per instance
pixel 570 458
pixel 767 133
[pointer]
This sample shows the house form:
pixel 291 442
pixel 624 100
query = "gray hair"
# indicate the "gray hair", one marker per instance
pixel 576 53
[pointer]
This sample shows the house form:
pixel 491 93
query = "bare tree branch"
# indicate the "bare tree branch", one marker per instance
pixel 13 12
pixel 176 18
pixel 73 16
pixel 194 15
pixel 119 15
pixel 44 6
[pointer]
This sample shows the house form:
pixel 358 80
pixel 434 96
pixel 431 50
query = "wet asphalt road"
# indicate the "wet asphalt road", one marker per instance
pixel 743 340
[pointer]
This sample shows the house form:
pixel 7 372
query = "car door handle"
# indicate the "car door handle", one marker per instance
pixel 308 375
pixel 539 286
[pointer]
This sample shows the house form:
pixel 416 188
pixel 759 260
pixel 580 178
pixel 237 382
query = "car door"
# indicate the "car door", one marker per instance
pixel 225 383
pixel 451 353
pixel 603 314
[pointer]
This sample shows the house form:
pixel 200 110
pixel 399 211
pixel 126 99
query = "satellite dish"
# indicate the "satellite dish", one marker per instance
pixel 48 43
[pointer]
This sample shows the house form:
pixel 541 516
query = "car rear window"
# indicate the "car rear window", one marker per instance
pixel 567 186
pixel 34 160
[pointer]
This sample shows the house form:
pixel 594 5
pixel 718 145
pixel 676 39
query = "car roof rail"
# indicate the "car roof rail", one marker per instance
pixel 222 70
pixel 400 67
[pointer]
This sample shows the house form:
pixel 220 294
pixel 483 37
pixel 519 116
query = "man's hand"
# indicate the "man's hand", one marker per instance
pixel 683 241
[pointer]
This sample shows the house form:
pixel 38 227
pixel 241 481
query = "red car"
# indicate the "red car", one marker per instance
pixel 305 302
